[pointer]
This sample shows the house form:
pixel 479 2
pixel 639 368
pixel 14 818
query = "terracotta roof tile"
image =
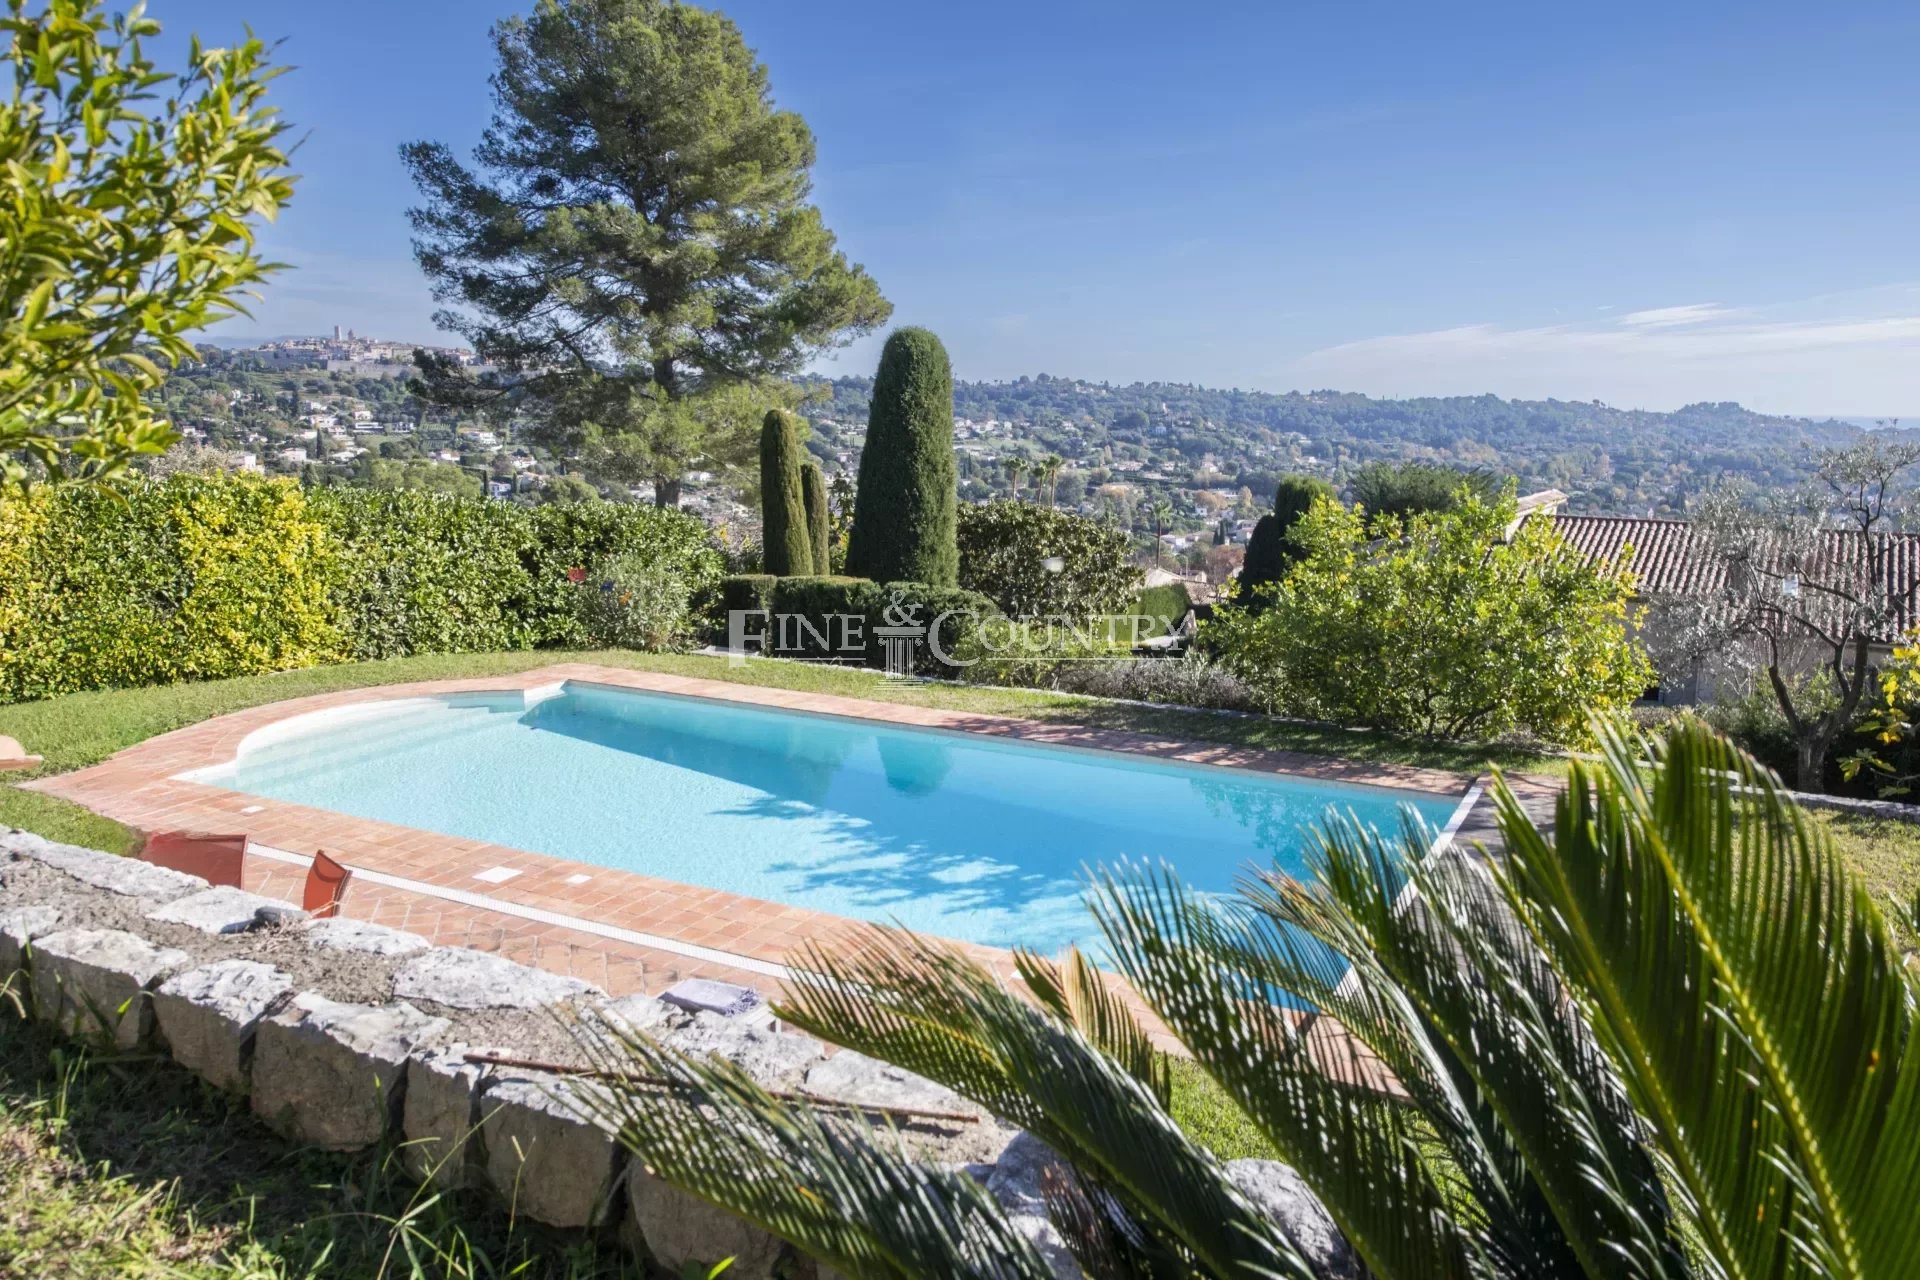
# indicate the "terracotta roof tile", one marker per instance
pixel 1667 562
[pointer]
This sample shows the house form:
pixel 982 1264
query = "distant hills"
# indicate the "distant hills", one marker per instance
pixel 1608 459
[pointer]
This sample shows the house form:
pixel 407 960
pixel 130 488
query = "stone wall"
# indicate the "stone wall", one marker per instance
pixel 343 1034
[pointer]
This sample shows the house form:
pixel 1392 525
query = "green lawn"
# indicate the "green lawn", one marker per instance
pixel 83 728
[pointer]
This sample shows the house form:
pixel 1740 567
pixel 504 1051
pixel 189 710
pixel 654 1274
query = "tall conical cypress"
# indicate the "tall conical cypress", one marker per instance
pixel 786 548
pixel 813 494
pixel 903 512
pixel 1269 552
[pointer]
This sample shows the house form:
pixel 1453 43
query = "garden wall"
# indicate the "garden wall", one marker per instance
pixel 345 1035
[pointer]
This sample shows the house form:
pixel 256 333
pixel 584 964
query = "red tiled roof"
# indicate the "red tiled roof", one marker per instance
pixel 1666 562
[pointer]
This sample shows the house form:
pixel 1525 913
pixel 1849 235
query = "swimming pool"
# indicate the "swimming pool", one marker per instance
pixel 970 837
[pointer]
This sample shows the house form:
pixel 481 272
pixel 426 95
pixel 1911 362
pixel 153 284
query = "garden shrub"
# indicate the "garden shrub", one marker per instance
pixel 1037 653
pixel 580 534
pixel 813 497
pixel 825 601
pixel 744 592
pixel 1191 680
pixel 1271 549
pixel 1440 625
pixel 196 578
pixel 1004 549
pixel 1164 605
pixel 903 515
pixel 425 572
pixel 634 601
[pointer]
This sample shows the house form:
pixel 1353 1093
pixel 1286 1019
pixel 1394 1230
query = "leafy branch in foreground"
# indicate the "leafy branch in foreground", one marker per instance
pixel 1668 1039
pixel 124 204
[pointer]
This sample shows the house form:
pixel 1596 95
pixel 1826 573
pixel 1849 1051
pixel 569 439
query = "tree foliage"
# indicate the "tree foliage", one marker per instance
pixel 635 233
pixel 125 202
pixel 1270 550
pixel 1440 625
pixel 1808 583
pixel 904 517
pixel 785 538
pixel 1415 488
pixel 1005 549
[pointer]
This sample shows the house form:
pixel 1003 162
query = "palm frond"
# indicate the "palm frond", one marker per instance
pixel 1748 990
pixel 865 1208
pixel 921 1004
pixel 1076 994
pixel 1319 1101
pixel 1545 1133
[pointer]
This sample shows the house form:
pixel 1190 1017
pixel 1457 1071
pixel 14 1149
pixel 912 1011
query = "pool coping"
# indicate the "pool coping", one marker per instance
pixel 142 787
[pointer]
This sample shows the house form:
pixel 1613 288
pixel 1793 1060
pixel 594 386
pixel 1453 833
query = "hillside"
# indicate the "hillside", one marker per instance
pixel 1616 460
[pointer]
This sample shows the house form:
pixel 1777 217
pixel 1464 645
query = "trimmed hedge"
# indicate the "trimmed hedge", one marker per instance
pixel 813 497
pixel 197 579
pixel 903 507
pixel 1005 546
pixel 786 544
pixel 825 601
pixel 1170 601
pixel 205 577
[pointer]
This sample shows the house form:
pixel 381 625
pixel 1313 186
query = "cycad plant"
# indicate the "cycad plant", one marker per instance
pixel 1667 1038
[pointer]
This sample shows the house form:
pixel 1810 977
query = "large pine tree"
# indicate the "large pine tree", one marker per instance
pixel 903 513
pixel 635 235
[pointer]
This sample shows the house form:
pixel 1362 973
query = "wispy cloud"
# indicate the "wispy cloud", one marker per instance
pixel 1667 317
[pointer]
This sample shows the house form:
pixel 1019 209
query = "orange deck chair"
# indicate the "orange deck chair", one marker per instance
pixel 326 885
pixel 217 859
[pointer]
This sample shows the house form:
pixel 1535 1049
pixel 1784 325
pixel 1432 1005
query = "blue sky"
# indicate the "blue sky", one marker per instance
pixel 1642 204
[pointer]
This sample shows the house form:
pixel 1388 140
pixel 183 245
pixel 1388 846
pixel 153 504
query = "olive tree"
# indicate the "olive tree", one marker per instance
pixel 1807 583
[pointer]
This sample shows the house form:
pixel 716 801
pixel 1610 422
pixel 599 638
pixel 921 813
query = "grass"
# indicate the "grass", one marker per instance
pixel 127 1167
pixel 1885 852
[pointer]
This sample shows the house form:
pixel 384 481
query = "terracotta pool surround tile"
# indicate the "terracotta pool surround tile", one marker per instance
pixel 139 787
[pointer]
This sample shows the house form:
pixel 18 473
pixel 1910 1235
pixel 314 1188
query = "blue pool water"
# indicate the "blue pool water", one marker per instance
pixel 953 834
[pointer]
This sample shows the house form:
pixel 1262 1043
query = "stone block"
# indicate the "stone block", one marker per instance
pixel 462 979
pixel 96 983
pixel 341 934
pixel 225 909
pixel 333 1074
pixel 208 1016
pixel 686 1235
pixel 776 1059
pixel 708 995
pixel 1283 1195
pixel 548 1153
pixel 1015 1183
pixel 440 1118
pixel 128 877
pixel 18 927
pixel 854 1077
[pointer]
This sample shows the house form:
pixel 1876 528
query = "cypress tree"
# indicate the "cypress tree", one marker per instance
pixel 813 495
pixel 903 513
pixel 1269 551
pixel 786 547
